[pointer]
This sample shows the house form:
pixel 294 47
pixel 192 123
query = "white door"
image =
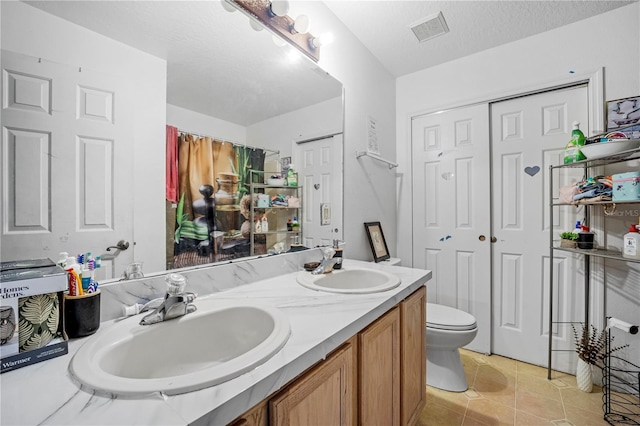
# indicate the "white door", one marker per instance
pixel 528 135
pixel 319 165
pixel 451 217
pixel 66 162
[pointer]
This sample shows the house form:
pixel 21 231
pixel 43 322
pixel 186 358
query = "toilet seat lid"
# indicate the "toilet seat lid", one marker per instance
pixel 448 318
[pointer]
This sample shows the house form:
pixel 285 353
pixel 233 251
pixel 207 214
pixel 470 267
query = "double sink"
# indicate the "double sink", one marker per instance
pixel 220 341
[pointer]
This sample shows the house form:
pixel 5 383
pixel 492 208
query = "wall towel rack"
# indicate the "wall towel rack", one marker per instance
pixel 376 157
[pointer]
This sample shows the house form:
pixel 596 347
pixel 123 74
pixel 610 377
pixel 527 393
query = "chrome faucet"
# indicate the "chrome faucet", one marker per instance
pixel 176 302
pixel 327 263
pixel 325 267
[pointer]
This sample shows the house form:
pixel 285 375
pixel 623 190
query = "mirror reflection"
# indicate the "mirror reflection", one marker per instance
pixel 134 68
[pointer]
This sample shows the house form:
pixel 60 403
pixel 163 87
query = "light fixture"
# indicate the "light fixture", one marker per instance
pixel 301 24
pixel 273 15
pixel 228 7
pixel 257 26
pixel 323 40
pixel 279 8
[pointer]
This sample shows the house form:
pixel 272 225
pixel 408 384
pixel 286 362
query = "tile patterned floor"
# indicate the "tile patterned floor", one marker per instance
pixel 503 391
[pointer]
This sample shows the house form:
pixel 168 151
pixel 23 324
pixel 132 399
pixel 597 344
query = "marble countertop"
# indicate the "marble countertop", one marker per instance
pixel 45 393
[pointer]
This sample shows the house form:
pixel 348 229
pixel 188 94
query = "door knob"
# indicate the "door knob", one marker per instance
pixel 121 245
pixel 482 238
pixel 494 239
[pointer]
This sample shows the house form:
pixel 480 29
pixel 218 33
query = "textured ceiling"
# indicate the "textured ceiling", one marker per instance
pixel 383 26
pixel 216 64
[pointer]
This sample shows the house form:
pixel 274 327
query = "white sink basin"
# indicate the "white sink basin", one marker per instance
pixel 218 342
pixel 352 280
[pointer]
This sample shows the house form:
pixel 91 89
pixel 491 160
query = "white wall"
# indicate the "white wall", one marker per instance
pixel 369 89
pixel 204 125
pixel 534 62
pixel 32 32
pixel 280 132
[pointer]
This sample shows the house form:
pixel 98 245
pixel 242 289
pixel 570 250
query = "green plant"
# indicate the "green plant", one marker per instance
pixel 591 344
pixel 569 236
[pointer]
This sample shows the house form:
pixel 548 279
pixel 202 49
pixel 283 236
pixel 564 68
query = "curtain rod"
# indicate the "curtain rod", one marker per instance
pixel 274 151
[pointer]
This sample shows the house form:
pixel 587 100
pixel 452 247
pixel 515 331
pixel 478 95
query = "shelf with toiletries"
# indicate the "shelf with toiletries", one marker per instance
pixel 275 214
pixel 608 206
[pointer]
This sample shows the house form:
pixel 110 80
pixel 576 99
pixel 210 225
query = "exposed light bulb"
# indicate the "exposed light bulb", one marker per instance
pixel 228 6
pixel 302 24
pixel 279 7
pixel 257 26
pixel 322 40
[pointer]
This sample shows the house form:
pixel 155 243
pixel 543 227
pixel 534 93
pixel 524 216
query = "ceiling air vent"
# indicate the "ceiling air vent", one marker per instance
pixel 429 27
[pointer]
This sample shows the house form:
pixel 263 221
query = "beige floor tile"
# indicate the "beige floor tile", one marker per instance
pixel 454 401
pixel 539 405
pixel 581 417
pixel 532 370
pixel 591 402
pixel 525 419
pixel 489 412
pixel 438 415
pixel 502 362
pixel 536 384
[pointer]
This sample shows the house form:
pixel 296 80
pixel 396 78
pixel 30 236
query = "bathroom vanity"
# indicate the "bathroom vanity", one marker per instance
pixel 348 355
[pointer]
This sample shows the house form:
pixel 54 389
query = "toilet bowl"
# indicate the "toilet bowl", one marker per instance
pixel 447 330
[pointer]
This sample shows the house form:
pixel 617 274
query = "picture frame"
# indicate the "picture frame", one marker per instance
pixel 376 241
pixel 623 113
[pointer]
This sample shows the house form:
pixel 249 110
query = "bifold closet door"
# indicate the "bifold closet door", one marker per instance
pixel 528 135
pixel 451 211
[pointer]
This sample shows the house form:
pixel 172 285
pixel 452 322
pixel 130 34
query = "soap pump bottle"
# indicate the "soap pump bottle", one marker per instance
pixel 631 243
pixel 265 223
pixel 337 255
pixel 572 152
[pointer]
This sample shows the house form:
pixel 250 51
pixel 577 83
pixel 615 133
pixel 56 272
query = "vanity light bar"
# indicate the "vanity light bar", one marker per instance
pixel 280 25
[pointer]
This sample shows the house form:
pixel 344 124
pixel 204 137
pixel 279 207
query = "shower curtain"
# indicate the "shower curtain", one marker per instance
pixel 213 177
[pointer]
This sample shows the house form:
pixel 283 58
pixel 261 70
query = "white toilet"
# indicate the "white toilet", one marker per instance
pixel 448 329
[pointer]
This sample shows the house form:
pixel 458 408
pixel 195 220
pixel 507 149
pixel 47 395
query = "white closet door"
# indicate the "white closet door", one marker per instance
pixel 67 158
pixel 528 135
pixel 451 218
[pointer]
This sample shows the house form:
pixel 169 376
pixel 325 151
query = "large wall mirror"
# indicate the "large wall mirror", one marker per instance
pixel 132 68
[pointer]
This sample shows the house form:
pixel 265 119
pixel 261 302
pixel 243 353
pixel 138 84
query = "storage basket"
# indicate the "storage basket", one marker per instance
pixel 626 186
pixel 620 390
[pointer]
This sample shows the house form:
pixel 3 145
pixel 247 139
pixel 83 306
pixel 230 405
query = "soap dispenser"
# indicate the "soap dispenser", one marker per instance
pixel 265 223
pixel 337 255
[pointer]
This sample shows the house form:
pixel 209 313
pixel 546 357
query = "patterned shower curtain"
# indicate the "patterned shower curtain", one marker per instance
pixel 213 177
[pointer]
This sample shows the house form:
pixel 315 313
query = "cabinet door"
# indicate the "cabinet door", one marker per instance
pixel 257 416
pixel 413 353
pixel 326 395
pixel 379 368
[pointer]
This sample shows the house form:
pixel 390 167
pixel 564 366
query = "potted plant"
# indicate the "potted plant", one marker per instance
pixel 591 350
pixel 569 240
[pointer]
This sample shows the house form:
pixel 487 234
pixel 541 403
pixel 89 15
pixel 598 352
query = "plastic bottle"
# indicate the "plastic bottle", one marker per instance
pixel 292 177
pixel 572 152
pixel 631 244
pixel 265 223
pixel 295 226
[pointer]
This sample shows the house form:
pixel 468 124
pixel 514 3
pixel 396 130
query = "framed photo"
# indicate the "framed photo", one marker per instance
pixel 623 113
pixel 377 241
